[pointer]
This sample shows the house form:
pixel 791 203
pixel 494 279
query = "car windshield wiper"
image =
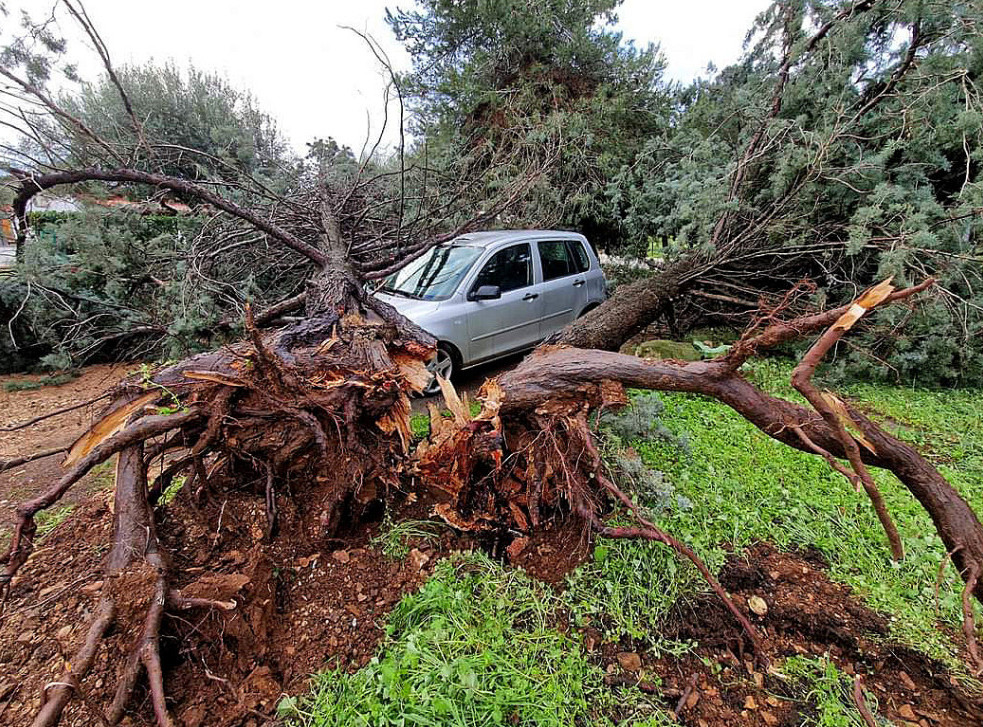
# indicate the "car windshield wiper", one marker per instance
pixel 400 293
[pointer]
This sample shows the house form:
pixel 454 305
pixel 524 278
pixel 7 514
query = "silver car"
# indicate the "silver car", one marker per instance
pixel 489 294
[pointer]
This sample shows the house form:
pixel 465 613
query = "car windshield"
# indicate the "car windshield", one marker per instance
pixel 435 275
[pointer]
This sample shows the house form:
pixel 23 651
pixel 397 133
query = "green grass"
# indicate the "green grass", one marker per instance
pixel 48 520
pixel 829 692
pixel 746 487
pixel 394 540
pixel 420 423
pixel 53 380
pixel 480 644
pixel 477 645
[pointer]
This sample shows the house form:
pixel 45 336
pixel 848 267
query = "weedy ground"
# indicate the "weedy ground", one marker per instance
pixel 482 643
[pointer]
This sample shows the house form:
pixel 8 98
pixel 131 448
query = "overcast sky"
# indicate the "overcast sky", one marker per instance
pixel 318 79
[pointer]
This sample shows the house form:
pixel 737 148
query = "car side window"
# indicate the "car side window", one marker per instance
pixel 509 269
pixel 555 258
pixel 579 255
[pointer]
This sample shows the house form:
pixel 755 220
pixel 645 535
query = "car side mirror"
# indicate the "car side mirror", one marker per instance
pixel 487 292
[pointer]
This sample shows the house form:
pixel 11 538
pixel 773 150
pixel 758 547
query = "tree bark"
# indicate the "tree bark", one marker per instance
pixel 562 373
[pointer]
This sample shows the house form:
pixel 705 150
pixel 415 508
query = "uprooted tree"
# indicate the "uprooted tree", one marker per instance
pixel 305 424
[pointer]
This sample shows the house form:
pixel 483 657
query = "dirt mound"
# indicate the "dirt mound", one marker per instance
pixel 799 612
pixel 308 605
pixel 312 604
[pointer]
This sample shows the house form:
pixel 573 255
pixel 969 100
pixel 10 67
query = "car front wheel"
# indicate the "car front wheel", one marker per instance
pixel 441 364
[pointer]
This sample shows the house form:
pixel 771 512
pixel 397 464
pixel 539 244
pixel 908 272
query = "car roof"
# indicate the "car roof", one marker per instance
pixel 487 238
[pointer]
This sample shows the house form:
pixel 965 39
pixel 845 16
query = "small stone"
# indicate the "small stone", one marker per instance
pixel 25 637
pixel 906 712
pixel 749 703
pixel 775 575
pixel 758 605
pixel 908 681
pixel 630 661
pixel 341 556
pixel 63 633
pixel 692 699
pixel 90 589
pixel 590 640
pixel 769 718
pixel 418 558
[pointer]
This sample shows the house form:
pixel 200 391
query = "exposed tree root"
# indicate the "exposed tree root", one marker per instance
pixel 323 405
pixel 6 464
pixel 333 408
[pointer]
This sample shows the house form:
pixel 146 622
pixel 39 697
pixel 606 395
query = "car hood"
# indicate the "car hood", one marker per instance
pixel 415 310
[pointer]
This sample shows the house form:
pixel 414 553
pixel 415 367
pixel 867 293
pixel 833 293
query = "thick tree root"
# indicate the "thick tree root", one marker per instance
pixel 337 410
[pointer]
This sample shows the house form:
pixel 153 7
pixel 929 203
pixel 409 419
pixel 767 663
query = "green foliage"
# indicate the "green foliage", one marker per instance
pixel 48 520
pixel 477 645
pixel 206 127
pixel 394 539
pixel 91 280
pixel 56 380
pixel 504 89
pixel 830 691
pixel 419 425
pixel 745 487
pixel 100 284
pixel 871 166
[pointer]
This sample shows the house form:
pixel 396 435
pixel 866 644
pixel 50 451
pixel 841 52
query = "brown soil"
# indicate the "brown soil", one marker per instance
pixel 18 406
pixel 807 614
pixel 309 601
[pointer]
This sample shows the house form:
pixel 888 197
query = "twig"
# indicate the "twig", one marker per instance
pixel 858 699
pixel 56 412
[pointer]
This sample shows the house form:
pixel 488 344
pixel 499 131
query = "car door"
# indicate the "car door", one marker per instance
pixel 564 292
pixel 510 322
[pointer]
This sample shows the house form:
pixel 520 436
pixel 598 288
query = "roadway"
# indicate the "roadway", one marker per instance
pixel 7 255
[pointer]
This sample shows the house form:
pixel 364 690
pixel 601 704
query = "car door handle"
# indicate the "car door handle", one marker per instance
pixel 578 283
pixel 530 296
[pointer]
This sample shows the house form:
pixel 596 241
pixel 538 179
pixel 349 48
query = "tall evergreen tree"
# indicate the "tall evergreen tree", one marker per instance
pixel 502 87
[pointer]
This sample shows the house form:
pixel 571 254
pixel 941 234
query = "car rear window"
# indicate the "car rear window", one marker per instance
pixel 579 255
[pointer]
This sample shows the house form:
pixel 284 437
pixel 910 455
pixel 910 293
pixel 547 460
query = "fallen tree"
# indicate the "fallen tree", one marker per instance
pixel 323 404
pixel 303 428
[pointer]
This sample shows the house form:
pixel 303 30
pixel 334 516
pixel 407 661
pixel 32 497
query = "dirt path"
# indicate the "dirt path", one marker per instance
pixel 18 406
